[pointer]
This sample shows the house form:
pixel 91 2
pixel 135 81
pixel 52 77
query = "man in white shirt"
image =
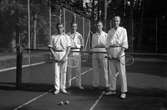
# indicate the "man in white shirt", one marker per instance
pixel 99 62
pixel 60 42
pixel 117 36
pixel 77 44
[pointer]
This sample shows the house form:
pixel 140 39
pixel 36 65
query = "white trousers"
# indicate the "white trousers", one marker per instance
pixel 60 72
pixel 75 72
pixel 117 69
pixel 100 70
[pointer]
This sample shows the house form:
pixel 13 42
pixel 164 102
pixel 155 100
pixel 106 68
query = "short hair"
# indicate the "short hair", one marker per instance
pixel 99 21
pixel 116 16
pixel 73 23
pixel 111 21
pixel 57 26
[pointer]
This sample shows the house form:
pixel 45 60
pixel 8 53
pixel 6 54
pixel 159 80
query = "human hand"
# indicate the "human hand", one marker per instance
pixel 63 60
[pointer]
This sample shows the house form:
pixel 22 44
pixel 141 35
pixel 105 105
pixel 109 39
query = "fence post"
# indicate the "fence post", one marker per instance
pixel 156 34
pixel 50 21
pixel 35 31
pixel 64 19
pixel 83 26
pixel 105 14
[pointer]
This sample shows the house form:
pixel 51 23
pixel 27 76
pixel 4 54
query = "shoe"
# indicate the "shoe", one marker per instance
pixel 69 84
pixel 110 92
pixel 81 87
pixel 123 96
pixel 106 89
pixel 64 91
pixel 56 92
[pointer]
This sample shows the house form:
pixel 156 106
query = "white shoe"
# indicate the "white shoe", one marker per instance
pixel 56 92
pixel 123 96
pixel 64 91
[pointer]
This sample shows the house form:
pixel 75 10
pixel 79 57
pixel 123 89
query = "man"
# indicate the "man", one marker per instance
pixel 77 44
pixel 99 62
pixel 60 42
pixel 116 44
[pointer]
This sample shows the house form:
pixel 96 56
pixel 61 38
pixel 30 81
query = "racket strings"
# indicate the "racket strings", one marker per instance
pixel 72 62
pixel 125 59
pixel 129 60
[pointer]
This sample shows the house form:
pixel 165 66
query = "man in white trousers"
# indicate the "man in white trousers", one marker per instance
pixel 99 61
pixel 117 42
pixel 77 44
pixel 62 43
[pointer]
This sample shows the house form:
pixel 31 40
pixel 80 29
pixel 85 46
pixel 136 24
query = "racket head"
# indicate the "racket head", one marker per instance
pixel 72 62
pixel 51 60
pixel 127 60
pixel 112 59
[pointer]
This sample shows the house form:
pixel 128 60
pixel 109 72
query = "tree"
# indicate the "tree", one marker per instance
pixel 13 13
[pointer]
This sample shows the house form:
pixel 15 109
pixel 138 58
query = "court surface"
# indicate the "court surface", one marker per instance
pixel 147 83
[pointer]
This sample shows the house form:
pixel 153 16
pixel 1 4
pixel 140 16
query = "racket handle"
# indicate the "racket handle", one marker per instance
pixel 109 58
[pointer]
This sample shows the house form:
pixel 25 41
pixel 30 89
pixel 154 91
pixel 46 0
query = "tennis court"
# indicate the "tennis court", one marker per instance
pixel 146 83
pixel 28 85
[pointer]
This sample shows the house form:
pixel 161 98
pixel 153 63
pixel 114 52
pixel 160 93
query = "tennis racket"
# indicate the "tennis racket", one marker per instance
pixel 71 63
pixel 125 59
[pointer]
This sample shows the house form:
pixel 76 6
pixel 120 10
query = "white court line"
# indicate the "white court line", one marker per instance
pixel 24 66
pixel 32 100
pixel 97 101
pixel 37 97
pixel 7 69
pixel 81 74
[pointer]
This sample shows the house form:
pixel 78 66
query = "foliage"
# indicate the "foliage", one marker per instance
pixel 14 13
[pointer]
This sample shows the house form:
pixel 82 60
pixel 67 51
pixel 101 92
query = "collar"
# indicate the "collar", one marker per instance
pixel 74 33
pixel 101 33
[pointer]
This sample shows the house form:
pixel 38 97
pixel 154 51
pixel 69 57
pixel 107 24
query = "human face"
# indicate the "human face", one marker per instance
pixel 116 21
pixel 60 28
pixel 99 26
pixel 74 27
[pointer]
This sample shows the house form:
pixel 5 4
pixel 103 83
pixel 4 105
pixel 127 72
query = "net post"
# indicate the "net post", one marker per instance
pixel 19 63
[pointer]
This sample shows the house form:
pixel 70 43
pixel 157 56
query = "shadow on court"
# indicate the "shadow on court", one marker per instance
pixel 147 83
pixel 138 99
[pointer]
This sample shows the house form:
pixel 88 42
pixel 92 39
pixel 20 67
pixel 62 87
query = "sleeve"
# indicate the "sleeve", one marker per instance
pixel 105 39
pixel 51 45
pixel 108 40
pixel 79 41
pixel 93 41
pixel 82 40
pixel 68 41
pixel 125 39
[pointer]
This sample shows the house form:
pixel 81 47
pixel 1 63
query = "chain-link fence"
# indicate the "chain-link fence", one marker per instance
pixel 42 22
pixel 83 23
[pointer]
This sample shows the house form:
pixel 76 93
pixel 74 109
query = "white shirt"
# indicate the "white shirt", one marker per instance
pixel 77 40
pixel 60 42
pixel 117 37
pixel 99 40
